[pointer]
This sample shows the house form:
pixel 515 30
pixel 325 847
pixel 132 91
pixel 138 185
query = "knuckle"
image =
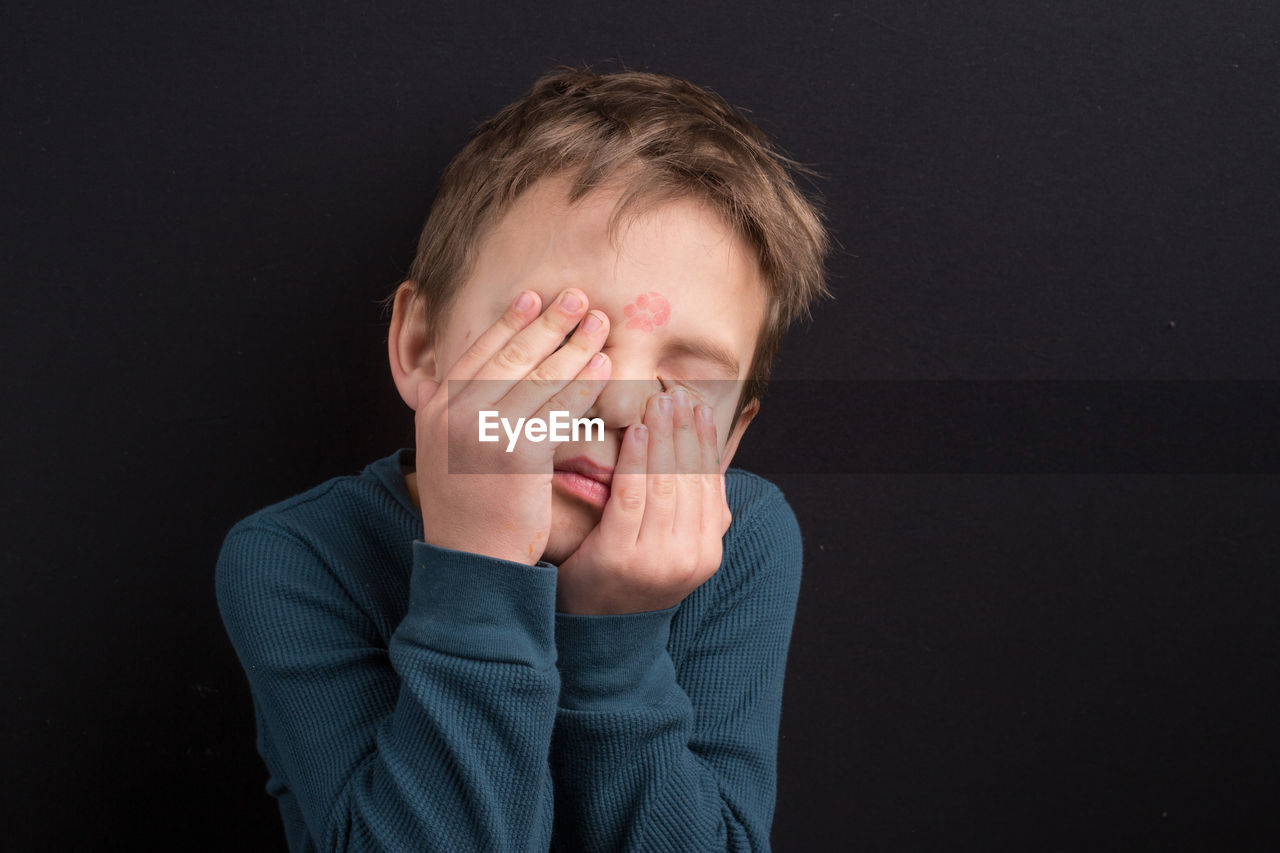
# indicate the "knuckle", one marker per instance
pixel 556 324
pixel 662 485
pixel 512 320
pixel 631 498
pixel 472 357
pixel 541 379
pixel 581 349
pixel 513 356
pixel 556 403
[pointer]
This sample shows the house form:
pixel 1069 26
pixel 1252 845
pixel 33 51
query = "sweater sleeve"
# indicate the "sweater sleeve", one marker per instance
pixel 648 756
pixel 438 740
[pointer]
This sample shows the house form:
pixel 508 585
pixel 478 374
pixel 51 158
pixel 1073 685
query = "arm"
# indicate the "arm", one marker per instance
pixel 436 742
pixel 651 754
pixel 437 738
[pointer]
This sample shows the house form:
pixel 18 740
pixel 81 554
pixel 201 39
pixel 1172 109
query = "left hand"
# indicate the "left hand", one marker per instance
pixel 660 534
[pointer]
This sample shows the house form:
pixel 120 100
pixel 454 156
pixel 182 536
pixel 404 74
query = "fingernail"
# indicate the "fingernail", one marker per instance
pixel 524 301
pixel 570 301
pixel 704 413
pixel 591 322
pixel 664 404
pixel 640 433
pixel 597 360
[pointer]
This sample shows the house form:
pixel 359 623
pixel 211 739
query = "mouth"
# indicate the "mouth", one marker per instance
pixel 583 479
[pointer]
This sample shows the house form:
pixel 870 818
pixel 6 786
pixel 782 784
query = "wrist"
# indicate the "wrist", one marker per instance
pixel 594 603
pixel 467 605
pixel 484 547
pixel 609 663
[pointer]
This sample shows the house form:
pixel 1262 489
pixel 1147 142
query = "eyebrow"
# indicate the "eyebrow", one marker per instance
pixel 705 350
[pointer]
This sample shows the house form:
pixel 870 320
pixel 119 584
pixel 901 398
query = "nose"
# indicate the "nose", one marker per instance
pixel 622 402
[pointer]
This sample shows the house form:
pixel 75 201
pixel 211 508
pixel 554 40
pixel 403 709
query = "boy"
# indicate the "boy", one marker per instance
pixel 522 644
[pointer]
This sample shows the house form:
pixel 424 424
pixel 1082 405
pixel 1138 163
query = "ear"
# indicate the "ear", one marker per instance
pixel 735 435
pixel 410 346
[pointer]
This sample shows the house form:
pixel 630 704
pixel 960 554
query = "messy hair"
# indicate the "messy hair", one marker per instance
pixel 662 139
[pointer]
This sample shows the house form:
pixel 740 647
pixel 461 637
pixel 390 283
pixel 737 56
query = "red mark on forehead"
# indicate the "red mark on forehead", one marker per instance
pixel 649 311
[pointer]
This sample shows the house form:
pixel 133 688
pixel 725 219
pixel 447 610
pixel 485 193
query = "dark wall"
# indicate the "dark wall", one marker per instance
pixel 1055 635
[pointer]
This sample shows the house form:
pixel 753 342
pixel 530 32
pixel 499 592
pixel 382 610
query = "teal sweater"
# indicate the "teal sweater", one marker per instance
pixel 410 697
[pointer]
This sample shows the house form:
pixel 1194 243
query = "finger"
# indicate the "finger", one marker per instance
pixel 712 492
pixel 550 378
pixel 522 310
pixel 688 455
pixel 620 523
pixel 685 434
pixel 660 486
pixel 708 447
pixel 529 347
pixel 578 395
pixel 713 477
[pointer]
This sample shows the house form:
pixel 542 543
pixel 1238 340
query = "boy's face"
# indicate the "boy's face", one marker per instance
pixel 679 286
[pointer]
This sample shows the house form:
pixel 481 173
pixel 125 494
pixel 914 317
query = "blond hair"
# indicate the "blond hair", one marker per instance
pixel 664 139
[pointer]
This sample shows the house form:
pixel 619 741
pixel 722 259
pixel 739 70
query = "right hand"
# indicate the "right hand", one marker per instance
pixel 519 368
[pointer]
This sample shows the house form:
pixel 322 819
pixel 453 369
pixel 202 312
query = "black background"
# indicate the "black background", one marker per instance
pixel 203 207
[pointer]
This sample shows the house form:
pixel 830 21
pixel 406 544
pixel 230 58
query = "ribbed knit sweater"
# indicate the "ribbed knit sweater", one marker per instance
pixel 411 697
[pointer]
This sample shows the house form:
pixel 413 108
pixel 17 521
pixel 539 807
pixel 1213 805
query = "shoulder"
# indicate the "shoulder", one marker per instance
pixel 750 602
pixel 312 523
pixel 338 513
pixel 341 542
pixel 762 518
pixel 345 505
pixel 763 548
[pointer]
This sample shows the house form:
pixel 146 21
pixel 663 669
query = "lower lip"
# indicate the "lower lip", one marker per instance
pixel 592 491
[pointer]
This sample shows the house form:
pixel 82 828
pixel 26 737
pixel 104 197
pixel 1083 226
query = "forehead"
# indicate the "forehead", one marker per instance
pixel 681 249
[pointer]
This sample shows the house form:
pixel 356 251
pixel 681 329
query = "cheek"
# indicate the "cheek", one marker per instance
pixel 721 419
pixel 570 523
pixel 452 353
pixel 461 344
pixel 462 333
pixel 723 430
